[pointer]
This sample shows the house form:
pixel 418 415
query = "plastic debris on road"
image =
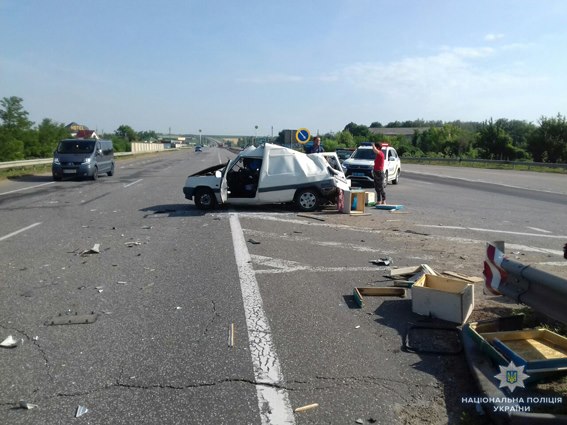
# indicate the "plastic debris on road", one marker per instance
pixel 81 410
pixel 25 405
pixel 94 250
pixel 9 342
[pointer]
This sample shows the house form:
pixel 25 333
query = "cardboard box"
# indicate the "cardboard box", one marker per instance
pixel 443 298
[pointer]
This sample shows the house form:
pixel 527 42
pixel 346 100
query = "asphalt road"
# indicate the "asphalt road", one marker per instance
pixel 201 315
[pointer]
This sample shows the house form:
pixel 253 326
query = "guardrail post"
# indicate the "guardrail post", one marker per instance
pixel 544 292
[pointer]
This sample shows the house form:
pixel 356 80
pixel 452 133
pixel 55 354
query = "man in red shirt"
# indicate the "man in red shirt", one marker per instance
pixel 378 174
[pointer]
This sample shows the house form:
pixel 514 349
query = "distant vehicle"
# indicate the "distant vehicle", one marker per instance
pixel 268 174
pixel 198 148
pixel 344 154
pixel 83 158
pixel 358 168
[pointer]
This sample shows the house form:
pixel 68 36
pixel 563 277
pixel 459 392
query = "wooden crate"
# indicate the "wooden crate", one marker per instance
pixel 534 348
pixel 353 202
pixel 443 298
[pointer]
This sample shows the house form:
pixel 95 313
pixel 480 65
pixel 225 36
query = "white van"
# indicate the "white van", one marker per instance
pixel 268 174
pixel 83 158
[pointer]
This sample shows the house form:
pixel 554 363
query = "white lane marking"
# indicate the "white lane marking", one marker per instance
pixel 478 229
pixel 19 231
pixel 537 229
pixel 273 399
pixel 130 184
pixel 285 266
pixel 328 244
pixel 307 221
pixel 25 188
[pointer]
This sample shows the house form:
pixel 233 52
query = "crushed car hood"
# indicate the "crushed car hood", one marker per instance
pixel 209 171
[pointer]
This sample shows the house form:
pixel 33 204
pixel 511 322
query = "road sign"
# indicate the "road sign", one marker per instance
pixel 302 135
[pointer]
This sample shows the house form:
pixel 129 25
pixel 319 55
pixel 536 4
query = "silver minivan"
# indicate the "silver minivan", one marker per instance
pixel 83 158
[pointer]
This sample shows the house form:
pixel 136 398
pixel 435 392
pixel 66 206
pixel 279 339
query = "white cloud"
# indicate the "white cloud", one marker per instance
pixel 458 81
pixel 493 37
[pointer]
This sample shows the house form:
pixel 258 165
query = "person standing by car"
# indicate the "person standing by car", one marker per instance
pixel 316 148
pixel 378 174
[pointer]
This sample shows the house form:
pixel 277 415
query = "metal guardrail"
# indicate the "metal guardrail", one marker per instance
pixel 544 292
pixel 486 162
pixel 41 161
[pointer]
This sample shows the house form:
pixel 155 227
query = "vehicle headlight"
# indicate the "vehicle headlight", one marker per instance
pixel 86 161
pixel 56 161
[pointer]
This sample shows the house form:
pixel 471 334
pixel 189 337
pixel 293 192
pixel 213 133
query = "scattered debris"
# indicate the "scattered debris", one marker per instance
pixel 311 216
pixel 254 242
pixel 357 293
pixel 359 421
pixel 471 279
pixel 9 342
pixel 178 308
pixel 357 327
pixel 25 405
pixel 81 410
pixel 147 227
pixel 72 319
pixel 132 243
pixel 99 288
pixel 122 282
pixel 389 207
pixel 306 407
pixel 231 335
pixel 94 250
pixel 442 298
pixel 386 261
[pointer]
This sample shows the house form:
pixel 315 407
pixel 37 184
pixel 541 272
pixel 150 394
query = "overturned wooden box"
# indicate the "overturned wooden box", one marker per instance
pixel 536 349
pixel 443 298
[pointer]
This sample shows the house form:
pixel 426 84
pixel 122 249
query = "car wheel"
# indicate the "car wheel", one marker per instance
pixel 205 199
pixel 111 172
pixel 57 178
pixel 95 173
pixel 385 178
pixel 397 179
pixel 307 200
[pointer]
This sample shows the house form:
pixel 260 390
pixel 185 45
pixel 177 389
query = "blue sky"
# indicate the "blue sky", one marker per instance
pixel 225 66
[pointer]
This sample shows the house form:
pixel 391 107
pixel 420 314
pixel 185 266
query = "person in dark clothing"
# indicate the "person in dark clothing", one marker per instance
pixel 378 174
pixel 316 148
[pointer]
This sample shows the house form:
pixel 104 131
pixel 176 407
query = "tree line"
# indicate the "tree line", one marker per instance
pixel 502 139
pixel 20 138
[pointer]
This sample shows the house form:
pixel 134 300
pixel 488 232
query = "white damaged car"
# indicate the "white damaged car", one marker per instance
pixel 268 174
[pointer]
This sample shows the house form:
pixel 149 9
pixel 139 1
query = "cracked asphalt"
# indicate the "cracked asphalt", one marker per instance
pixel 166 290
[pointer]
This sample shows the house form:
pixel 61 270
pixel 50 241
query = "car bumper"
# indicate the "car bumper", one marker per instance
pixel 82 170
pixel 189 192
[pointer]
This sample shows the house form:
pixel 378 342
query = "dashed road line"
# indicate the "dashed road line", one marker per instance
pixel 133 183
pixel 19 231
pixel 26 188
pixel 479 229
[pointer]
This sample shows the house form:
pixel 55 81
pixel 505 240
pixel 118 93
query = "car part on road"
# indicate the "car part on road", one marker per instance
pixel 438 339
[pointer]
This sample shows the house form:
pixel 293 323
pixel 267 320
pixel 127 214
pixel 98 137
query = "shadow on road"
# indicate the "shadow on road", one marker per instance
pixel 32 179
